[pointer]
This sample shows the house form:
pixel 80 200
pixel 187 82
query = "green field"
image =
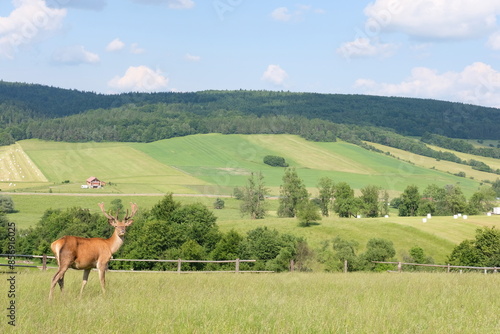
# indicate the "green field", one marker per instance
pixel 257 303
pixel 214 164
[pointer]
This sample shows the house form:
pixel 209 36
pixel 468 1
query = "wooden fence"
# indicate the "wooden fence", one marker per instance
pixel 178 261
pixel 449 268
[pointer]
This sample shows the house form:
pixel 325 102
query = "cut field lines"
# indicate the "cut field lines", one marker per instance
pixel 77 162
pixel 309 155
pixel 442 165
pixel 16 166
pixel 492 162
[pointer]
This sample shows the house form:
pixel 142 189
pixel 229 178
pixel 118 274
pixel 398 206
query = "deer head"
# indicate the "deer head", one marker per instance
pixel 114 221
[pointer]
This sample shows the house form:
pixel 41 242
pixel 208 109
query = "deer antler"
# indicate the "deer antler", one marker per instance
pixel 132 214
pixel 107 215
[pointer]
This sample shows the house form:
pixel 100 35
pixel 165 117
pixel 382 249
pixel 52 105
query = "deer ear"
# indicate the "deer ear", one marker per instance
pixel 129 222
pixel 112 222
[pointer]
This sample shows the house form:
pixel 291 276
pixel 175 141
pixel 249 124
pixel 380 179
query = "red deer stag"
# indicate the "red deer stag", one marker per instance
pixel 87 253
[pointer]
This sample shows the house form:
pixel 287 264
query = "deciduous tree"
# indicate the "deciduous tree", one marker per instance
pixel 410 199
pixel 292 193
pixel 326 188
pixel 345 204
pixel 253 197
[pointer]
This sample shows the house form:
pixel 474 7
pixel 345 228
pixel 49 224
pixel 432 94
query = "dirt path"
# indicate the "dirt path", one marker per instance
pixel 98 195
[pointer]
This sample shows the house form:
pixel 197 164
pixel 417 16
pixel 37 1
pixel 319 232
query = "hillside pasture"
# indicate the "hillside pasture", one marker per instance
pixel 118 163
pixel 216 164
pixel 264 303
pixel 437 237
pixel 443 165
pixel 226 160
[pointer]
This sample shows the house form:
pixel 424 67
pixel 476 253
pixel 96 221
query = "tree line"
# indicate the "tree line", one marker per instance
pixel 401 115
pixel 460 145
pixel 339 197
pixel 171 230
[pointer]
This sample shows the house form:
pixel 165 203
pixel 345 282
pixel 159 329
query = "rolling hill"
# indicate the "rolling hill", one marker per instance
pixel 23 104
pixel 212 164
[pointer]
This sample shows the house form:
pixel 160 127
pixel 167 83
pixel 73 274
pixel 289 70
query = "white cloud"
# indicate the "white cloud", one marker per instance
pixel 174 4
pixel 275 75
pixel 29 22
pixel 494 41
pixel 74 55
pixel 364 47
pixel 477 83
pixel 192 58
pixel 436 19
pixel 115 45
pixel 283 14
pixel 135 49
pixel 139 79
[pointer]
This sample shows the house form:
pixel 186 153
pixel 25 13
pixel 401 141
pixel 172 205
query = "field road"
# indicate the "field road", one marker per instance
pixel 98 195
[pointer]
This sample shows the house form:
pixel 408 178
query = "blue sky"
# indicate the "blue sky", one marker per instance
pixel 441 49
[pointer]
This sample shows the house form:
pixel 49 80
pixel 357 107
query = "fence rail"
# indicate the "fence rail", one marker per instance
pixel 447 266
pixel 236 262
pixel 178 261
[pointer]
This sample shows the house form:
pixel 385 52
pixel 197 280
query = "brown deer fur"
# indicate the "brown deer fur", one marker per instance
pixel 88 253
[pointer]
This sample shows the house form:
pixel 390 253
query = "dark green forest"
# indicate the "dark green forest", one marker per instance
pixel 24 106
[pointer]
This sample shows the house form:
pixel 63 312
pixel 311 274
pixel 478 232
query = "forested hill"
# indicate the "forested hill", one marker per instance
pixel 23 103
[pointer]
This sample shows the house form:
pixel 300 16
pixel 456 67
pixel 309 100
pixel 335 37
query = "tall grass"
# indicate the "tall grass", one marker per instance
pixel 264 303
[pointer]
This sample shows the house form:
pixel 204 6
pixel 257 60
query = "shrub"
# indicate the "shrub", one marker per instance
pixel 6 204
pixel 275 161
pixel 219 204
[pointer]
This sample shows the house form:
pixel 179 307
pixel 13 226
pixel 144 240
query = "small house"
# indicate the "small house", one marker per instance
pixel 496 211
pixel 93 182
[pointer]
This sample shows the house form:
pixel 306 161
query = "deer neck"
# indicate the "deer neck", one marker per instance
pixel 115 242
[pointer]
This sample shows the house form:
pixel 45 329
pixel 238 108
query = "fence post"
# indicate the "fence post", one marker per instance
pixel 292 265
pixel 179 265
pixel 400 267
pixel 449 269
pixel 345 266
pixel 44 262
pixel 237 266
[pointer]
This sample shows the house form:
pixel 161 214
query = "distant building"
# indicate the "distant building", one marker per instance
pixel 496 210
pixel 94 182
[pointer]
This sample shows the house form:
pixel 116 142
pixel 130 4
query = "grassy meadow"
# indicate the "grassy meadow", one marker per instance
pixel 211 164
pixel 257 303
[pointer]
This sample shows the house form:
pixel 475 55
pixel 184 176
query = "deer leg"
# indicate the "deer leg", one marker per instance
pixel 101 267
pixel 61 282
pixel 58 278
pixel 86 273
